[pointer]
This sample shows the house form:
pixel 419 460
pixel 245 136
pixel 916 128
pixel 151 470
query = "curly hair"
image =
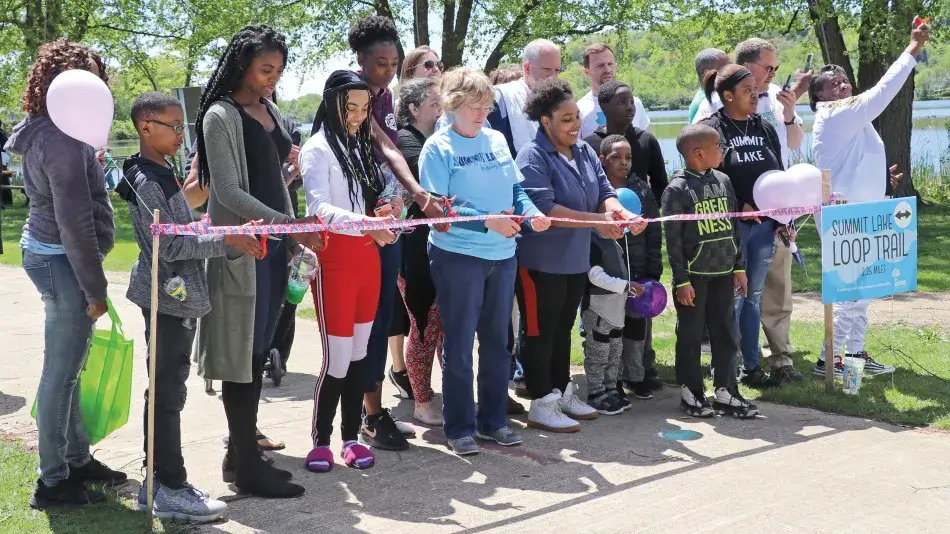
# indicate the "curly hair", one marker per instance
pixel 226 78
pixel 607 145
pixel 547 96
pixel 370 31
pixel 54 58
pixel 608 90
pixel 413 92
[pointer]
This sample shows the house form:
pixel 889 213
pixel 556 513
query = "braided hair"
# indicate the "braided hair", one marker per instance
pixel 353 152
pixel 227 77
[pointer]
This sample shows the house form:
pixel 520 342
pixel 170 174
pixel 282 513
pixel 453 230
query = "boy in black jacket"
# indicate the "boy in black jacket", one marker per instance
pixel 150 183
pixel 642 255
pixel 708 270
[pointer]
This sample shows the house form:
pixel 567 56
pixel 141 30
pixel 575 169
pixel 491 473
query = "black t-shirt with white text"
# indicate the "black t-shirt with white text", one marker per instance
pixel 751 150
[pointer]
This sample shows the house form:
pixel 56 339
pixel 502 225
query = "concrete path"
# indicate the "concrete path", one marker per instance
pixel 798 470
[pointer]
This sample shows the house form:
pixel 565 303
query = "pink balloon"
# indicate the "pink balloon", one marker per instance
pixel 80 104
pixel 799 186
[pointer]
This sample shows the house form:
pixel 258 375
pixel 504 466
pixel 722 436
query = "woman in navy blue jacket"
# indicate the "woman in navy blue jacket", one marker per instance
pixel 564 178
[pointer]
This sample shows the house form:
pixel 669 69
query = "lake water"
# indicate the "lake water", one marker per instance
pixel 929 140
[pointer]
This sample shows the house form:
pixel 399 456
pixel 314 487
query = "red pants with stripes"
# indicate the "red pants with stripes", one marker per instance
pixel 421 348
pixel 345 294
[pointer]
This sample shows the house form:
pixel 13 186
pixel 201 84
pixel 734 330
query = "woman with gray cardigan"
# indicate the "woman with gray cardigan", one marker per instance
pixel 242 145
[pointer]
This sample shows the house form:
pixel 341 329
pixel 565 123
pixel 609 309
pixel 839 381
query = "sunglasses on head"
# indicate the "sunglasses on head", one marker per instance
pixel 430 64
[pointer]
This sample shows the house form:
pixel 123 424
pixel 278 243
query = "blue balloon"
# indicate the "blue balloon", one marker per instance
pixel 629 200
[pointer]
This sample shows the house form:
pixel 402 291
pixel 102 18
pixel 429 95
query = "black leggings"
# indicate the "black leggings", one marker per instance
pixel 548 304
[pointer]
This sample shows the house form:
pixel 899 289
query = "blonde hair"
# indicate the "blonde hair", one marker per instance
pixel 464 84
pixel 415 57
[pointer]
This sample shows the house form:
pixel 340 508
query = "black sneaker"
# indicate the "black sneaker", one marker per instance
pixel 622 399
pixel 819 368
pixel 70 493
pixel 401 381
pixel 757 378
pixel 97 473
pixel 652 379
pixel 380 432
pixel 787 374
pixel 640 390
pixel 730 402
pixel 872 367
pixel 695 403
pixel 605 404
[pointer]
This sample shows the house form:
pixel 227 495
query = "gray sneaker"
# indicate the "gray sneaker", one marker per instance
pixel 503 436
pixel 186 504
pixel 464 446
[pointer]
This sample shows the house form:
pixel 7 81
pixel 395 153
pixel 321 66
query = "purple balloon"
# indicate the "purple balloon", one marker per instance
pixel 651 303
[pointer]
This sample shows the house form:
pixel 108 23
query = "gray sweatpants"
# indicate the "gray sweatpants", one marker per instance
pixel 602 351
pixel 638 356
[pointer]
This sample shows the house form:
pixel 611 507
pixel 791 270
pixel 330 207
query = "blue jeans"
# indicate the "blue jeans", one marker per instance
pixel 63 442
pixel 390 259
pixel 758 246
pixel 481 293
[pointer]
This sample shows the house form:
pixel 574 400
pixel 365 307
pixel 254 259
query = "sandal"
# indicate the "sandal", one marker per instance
pixel 268 444
pixel 357 456
pixel 320 459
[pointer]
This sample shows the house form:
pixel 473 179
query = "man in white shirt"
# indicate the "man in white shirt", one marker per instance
pixel 600 66
pixel 845 142
pixel 777 106
pixel 542 59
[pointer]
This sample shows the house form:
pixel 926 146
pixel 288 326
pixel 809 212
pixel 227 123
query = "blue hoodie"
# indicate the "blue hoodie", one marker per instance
pixel 550 180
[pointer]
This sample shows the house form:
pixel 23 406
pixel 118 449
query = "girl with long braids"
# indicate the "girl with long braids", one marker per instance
pixel 241 147
pixel 342 183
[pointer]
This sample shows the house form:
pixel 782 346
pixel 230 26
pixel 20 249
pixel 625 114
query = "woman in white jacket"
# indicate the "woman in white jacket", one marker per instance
pixel 845 142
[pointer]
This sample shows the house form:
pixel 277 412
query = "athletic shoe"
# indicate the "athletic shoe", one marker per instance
pixel 319 459
pixel 757 378
pixel 787 374
pixel 503 436
pixel 69 493
pixel 872 367
pixel 408 431
pixel 729 401
pixel 515 407
pixel 401 381
pixel 621 400
pixel 640 390
pixel 380 432
pixel 357 456
pixel 819 369
pixel 427 413
pixel 695 403
pixel 97 472
pixel 464 446
pixel 605 404
pixel 572 406
pixel 546 414
pixel 185 504
pixel 652 379
pixel 521 390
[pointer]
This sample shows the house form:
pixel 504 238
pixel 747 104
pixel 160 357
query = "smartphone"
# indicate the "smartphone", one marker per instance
pixel 788 83
pixel 808 62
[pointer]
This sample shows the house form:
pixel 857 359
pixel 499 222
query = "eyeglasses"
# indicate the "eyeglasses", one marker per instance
pixel 177 129
pixel 559 70
pixel 481 110
pixel 768 68
pixel 430 64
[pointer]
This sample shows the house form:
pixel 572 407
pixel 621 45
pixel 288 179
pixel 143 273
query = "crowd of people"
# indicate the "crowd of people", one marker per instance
pixel 518 145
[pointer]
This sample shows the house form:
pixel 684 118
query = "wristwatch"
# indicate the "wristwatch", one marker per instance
pixel 789 123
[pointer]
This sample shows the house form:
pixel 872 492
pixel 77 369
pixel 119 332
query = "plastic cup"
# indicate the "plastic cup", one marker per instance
pixel 853 372
pixel 302 270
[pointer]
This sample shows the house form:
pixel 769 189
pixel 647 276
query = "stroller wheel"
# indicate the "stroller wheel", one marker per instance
pixel 276 367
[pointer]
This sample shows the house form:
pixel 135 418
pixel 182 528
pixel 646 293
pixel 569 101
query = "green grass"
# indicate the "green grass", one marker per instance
pixel 916 398
pixel 18 473
pixel 121 258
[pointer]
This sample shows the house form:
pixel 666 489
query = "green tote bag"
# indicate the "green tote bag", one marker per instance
pixel 105 383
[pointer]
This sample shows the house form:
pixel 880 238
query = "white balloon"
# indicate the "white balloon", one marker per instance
pixel 799 186
pixel 80 104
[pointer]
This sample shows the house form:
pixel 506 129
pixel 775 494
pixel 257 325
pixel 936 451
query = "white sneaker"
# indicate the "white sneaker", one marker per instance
pixel 427 414
pixel 185 504
pixel 574 407
pixel 546 414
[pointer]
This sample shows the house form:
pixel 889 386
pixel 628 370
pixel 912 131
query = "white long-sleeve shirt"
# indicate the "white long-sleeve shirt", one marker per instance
pixel 593 117
pixel 325 186
pixel 611 307
pixel 770 108
pixel 845 142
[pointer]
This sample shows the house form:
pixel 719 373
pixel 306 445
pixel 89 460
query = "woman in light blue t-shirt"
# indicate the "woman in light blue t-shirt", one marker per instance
pixel 473 264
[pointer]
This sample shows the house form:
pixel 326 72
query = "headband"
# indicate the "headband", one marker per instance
pixel 733 80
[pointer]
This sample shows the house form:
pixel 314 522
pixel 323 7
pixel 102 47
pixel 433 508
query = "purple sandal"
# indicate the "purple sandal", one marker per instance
pixel 357 456
pixel 320 459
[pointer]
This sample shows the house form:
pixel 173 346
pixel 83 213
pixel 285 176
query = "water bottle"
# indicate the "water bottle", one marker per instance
pixel 302 269
pixel 175 288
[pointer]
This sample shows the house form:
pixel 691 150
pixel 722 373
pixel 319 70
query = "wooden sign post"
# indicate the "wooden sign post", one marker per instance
pixel 829 310
pixel 152 346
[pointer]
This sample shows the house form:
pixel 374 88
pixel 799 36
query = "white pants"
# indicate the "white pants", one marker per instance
pixel 850 326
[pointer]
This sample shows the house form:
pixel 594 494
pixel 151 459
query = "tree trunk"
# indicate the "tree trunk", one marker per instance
pixel 420 25
pixel 883 33
pixel 455 23
pixel 517 26
pixel 384 9
pixel 830 38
